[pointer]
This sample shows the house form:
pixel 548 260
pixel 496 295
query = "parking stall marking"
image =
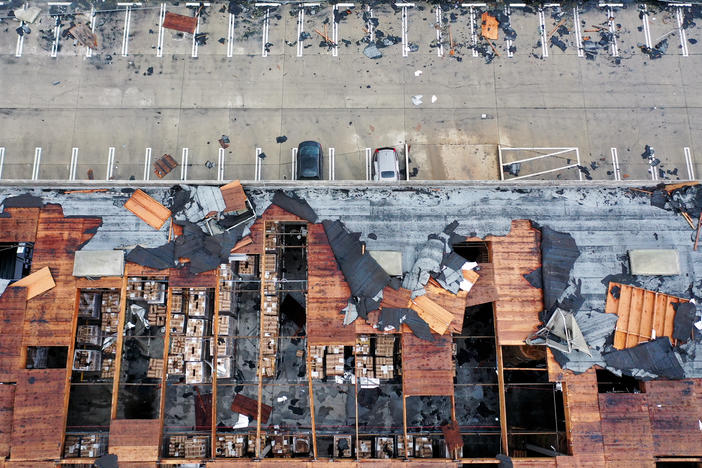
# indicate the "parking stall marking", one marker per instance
pixel 690 163
pixel 646 26
pixel 294 162
pixel 127 23
pixel 2 159
pixel 369 24
pixel 300 29
pixel 332 168
pixel 578 32
pixel 615 165
pixel 184 164
pixel 220 165
pixel 88 50
pixel 368 163
pixel 652 164
pixel 406 161
pixel 508 12
pixel 37 163
pixel 551 152
pixel 335 27
pixel 612 26
pixel 473 25
pixel 20 37
pixel 57 28
pixel 197 31
pixel 161 33
pixel 542 31
pixel 230 36
pixel 266 26
pixel 110 162
pixel 405 42
pixel 439 26
pixel 147 164
pixel 73 165
pixel 682 35
pixel 257 165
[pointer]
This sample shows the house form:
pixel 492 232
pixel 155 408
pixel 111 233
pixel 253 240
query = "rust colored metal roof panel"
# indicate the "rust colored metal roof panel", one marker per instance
pixel 234 196
pixel 181 23
pixel 13 303
pixel 149 210
pixel 135 439
pixel 36 283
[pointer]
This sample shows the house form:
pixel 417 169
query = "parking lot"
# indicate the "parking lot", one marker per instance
pixel 566 92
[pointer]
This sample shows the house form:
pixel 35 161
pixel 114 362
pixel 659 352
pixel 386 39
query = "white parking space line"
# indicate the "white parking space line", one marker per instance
pixel 20 39
pixel 125 32
pixel 57 37
pixel 37 163
pixel 406 161
pixel 542 30
pixel 681 31
pixel 294 163
pixel 612 26
pixel 651 168
pixel 369 24
pixel 197 31
pixel 257 166
pixel 74 164
pixel 300 30
pixel 230 36
pixel 332 168
pixel 508 11
pixel 266 27
pixel 615 165
pixel 646 26
pixel 220 165
pixel 161 33
pixel 439 26
pixel 88 50
pixel 110 162
pixel 578 32
pixel 368 163
pixel 552 152
pixel 2 160
pixel 690 163
pixel 405 41
pixel 473 24
pixel 147 164
pixel 184 164
pixel 335 27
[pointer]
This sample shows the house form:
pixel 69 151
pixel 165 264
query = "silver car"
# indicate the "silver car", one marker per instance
pixel 385 165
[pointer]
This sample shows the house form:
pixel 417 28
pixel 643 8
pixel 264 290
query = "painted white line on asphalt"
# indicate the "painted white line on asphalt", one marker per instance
pixel 161 32
pixel 332 169
pixel 578 32
pixel 20 39
pixel 651 168
pixel 294 163
pixel 569 166
pixel 612 29
pixel 681 32
pixel 508 12
pixel 88 50
pixel 405 41
pixel 220 165
pixel 74 164
pixel 300 30
pixel 615 165
pixel 37 163
pixel 110 162
pixel 230 36
pixel 2 160
pixel 184 165
pixel 439 26
pixel 577 157
pixel 125 32
pixel 264 36
pixel 197 31
pixel 690 163
pixel 406 161
pixel 147 164
pixel 57 37
pixel 369 24
pixel 368 163
pixel 646 26
pixel 257 166
pixel 542 30
pixel 473 25
pixel 335 27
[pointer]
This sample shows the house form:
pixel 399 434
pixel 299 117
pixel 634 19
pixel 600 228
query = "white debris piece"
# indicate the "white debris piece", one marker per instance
pixel 28 15
pixel 418 72
pixel 434 98
pixel 417 100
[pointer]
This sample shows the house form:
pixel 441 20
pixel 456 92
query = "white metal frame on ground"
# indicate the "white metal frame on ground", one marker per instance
pixel 551 152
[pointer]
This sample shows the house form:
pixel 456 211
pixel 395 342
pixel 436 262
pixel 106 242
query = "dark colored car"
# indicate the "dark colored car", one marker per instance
pixel 309 161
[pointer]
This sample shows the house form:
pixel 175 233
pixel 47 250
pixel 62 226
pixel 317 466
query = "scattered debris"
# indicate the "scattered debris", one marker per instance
pixel 84 35
pixel 224 141
pixel 372 52
pixel 164 165
pixel 181 23
pixel 281 139
pixel 27 14
pixel 417 100
pixel 489 26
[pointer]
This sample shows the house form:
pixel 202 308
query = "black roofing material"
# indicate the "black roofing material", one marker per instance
pixel 159 258
pixel 391 317
pixel 505 461
pixel 26 200
pixel 655 357
pixel 363 274
pixel 683 321
pixel 107 461
pixel 558 255
pixel 296 206
pixel 418 326
pixel 365 305
pixel 535 278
